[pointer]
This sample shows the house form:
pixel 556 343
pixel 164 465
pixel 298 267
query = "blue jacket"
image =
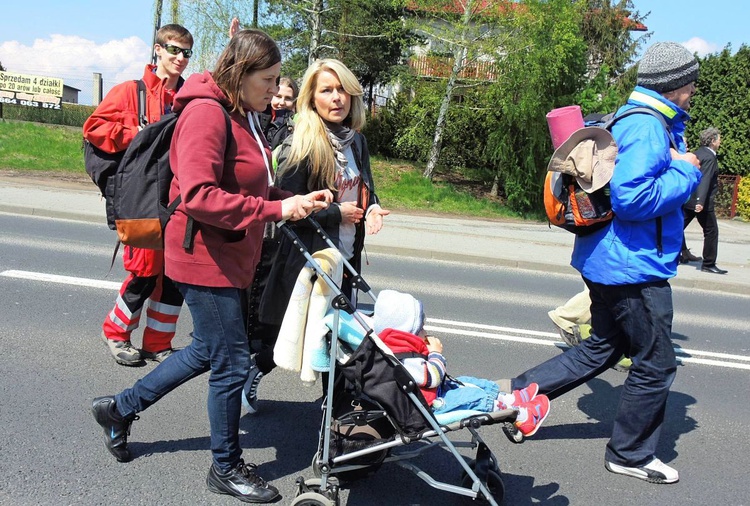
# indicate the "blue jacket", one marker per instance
pixel 646 184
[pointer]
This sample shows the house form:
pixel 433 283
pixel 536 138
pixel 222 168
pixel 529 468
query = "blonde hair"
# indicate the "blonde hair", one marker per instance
pixel 310 140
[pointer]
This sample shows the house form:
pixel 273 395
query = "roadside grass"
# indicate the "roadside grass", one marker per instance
pixel 39 148
pixel 400 185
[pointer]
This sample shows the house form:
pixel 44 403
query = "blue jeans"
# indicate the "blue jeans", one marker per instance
pixel 467 393
pixel 219 345
pixel 634 320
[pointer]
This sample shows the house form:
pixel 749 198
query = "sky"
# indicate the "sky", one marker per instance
pixel 75 38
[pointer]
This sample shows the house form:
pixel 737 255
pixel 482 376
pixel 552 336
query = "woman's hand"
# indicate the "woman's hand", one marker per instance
pixel 374 219
pixel 350 213
pixel 299 207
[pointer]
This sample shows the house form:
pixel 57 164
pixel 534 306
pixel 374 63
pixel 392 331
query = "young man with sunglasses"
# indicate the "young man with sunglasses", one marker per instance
pixel 111 128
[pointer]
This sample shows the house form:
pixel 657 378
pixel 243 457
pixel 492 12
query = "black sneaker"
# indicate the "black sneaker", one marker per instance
pixel 116 427
pixel 241 482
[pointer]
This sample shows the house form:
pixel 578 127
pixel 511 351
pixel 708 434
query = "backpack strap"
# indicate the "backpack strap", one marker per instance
pixel 142 118
pixel 673 145
pixel 190 228
pixel 650 112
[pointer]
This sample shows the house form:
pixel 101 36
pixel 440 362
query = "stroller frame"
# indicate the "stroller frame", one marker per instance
pixel 481 477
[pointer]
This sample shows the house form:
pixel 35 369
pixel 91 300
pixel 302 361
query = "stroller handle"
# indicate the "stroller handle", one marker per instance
pixel 357 280
pixel 340 301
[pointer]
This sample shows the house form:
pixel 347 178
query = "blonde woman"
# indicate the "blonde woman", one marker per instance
pixel 325 152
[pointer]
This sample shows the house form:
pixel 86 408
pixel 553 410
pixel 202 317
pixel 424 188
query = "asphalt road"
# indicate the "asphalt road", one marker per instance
pixel 55 291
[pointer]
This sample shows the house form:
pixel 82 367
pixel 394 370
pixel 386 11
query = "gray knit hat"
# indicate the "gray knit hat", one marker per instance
pixel 666 66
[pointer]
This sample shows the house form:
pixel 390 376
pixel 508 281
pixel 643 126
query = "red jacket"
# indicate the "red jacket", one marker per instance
pixel 227 195
pixel 114 123
pixel 113 126
pixel 401 343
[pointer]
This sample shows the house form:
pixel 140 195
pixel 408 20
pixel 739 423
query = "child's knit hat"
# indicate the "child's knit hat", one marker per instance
pixel 400 311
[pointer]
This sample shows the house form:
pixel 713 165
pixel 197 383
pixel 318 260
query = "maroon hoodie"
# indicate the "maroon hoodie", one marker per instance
pixel 227 195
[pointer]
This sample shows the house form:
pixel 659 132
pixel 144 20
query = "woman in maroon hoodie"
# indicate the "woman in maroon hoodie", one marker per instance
pixel 225 184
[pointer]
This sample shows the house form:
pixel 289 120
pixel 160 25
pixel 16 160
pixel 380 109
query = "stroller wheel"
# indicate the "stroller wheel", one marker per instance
pixel 313 499
pixel 310 493
pixel 512 433
pixel 494 484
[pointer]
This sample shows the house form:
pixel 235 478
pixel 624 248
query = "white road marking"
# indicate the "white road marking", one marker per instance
pixel 510 334
pixel 684 355
pixel 65 280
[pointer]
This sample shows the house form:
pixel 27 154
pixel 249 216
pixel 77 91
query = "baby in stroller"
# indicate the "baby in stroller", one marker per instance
pixel 399 322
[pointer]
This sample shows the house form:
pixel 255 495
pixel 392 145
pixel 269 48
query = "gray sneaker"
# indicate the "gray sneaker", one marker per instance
pixel 157 356
pixel 250 390
pixel 123 352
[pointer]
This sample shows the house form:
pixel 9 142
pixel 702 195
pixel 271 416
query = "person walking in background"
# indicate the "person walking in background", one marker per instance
pixel 627 264
pixel 111 128
pixel 702 203
pixel 224 180
pixel 573 321
pixel 325 151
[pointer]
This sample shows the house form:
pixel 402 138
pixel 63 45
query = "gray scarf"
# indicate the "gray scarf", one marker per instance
pixel 341 138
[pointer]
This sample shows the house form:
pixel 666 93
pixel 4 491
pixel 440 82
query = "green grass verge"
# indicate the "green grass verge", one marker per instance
pixel 26 146
pixel 36 147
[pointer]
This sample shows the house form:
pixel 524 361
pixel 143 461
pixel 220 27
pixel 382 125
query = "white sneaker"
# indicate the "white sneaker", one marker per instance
pixel 655 471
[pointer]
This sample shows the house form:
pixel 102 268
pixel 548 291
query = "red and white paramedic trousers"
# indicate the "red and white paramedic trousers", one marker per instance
pixel 145 281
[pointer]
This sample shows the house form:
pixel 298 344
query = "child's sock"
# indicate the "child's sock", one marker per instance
pixel 517 397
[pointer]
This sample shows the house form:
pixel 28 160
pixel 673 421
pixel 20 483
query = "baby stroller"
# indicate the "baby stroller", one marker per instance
pixel 373 407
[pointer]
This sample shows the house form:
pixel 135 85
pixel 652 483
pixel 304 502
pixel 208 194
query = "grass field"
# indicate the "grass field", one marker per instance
pixel 400 185
pixel 36 147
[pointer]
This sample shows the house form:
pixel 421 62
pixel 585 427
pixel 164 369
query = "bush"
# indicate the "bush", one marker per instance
pixel 743 199
pixel 69 114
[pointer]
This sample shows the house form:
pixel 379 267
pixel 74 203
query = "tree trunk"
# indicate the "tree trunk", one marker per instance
pixel 255 13
pixel 495 190
pixel 316 28
pixel 175 8
pixel 437 141
pixel 157 25
pixel 459 55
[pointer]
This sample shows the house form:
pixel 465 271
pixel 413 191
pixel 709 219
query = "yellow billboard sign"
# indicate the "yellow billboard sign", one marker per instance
pixel 30 90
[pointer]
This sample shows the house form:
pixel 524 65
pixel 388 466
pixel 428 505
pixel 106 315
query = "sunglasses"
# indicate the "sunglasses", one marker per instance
pixel 175 50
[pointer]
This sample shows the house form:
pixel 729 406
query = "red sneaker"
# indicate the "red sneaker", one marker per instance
pixel 536 412
pixel 525 394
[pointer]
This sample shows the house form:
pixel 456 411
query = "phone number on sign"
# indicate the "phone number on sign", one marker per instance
pixel 30 103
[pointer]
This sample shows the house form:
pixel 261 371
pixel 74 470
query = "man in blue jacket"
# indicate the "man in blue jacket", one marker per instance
pixel 628 263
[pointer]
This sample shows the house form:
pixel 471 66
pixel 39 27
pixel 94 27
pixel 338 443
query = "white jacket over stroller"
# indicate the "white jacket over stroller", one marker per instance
pixel 373 405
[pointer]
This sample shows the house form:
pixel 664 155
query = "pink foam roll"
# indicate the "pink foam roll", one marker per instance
pixel 562 122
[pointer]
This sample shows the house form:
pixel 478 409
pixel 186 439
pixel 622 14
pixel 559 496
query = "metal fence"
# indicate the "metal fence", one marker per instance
pixel 726 196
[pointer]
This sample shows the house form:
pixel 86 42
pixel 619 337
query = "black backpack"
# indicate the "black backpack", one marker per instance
pixel 101 166
pixel 140 186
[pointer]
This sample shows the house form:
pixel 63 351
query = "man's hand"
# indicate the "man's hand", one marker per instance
pixel 688 157
pixel 698 208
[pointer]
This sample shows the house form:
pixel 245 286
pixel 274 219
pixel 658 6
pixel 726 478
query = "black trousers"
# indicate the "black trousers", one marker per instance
pixel 707 221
